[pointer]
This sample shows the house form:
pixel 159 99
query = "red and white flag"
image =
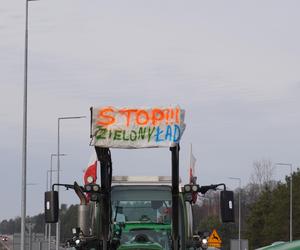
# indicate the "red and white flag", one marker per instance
pixel 193 177
pixel 90 174
pixel 192 171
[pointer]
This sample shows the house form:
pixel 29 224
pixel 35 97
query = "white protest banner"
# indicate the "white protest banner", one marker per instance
pixel 137 127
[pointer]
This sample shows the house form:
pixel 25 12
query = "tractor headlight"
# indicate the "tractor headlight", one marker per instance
pixel 204 243
pixel 187 188
pixel 194 188
pixel 90 179
pixel 88 188
pixel 96 188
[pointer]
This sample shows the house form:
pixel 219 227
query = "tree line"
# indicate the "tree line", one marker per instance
pixel 68 217
pixel 265 209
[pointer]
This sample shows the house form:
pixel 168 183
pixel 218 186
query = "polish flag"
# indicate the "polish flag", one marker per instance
pixel 192 172
pixel 90 174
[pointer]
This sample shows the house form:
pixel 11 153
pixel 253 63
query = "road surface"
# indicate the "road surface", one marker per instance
pixel 6 245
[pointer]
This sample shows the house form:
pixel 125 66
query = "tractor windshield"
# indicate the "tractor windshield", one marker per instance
pixel 142 214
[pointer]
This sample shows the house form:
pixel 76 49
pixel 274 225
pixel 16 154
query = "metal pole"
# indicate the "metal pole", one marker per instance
pixel 47 177
pixel 291 197
pixel 240 214
pixel 30 236
pixel 58 169
pixel 51 171
pixel 49 233
pixel 175 197
pixel 50 186
pixel 49 236
pixel 51 168
pixel 240 187
pixel 46 225
pixel 104 156
pixel 24 145
pixel 291 205
pixel 50 225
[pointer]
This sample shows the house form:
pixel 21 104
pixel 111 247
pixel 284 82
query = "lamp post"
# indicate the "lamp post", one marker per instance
pixel 30 225
pixel 51 168
pixel 24 139
pixel 58 167
pixel 47 226
pixel 291 196
pixel 238 179
pixel 48 187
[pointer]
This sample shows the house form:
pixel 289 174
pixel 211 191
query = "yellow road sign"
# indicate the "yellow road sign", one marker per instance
pixel 214 240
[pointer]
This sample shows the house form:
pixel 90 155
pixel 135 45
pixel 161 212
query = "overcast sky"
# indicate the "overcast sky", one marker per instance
pixel 234 66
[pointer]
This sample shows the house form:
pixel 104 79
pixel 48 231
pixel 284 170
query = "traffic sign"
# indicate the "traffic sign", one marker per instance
pixel 214 240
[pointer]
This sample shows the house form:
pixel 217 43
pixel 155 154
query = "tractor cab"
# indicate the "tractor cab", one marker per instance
pixel 141 215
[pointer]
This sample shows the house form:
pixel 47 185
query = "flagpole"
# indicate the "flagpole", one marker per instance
pixel 191 150
pixel 189 169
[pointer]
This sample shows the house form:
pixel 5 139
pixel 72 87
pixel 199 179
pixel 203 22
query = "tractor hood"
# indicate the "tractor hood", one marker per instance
pixel 140 236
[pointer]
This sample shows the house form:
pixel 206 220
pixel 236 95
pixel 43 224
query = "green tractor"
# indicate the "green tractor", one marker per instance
pixel 136 213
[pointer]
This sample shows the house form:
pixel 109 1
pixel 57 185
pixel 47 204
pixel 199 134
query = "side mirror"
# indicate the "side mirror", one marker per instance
pixel 51 207
pixel 227 206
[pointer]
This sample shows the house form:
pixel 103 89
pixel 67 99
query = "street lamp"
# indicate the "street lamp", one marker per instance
pixel 24 139
pixel 48 187
pixel 291 197
pixel 51 169
pixel 29 225
pixel 58 168
pixel 238 179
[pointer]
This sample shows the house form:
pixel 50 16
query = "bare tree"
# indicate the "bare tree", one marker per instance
pixel 263 173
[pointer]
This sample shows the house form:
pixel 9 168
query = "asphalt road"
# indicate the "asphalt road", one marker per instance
pixel 4 245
